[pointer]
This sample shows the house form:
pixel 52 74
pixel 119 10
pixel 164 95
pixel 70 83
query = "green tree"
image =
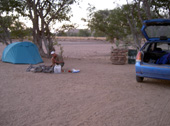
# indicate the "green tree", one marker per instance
pixel 10 26
pixel 84 33
pixel 43 14
pixel 141 10
pixel 111 23
pixel 5 24
pixel 126 20
pixel 134 17
pixel 161 8
pixel 19 31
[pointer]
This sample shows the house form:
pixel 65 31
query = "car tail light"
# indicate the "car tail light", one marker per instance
pixel 139 56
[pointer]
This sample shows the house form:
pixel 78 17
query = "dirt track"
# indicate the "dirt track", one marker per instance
pixel 102 94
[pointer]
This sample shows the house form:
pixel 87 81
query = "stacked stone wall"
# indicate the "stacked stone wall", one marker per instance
pixel 119 56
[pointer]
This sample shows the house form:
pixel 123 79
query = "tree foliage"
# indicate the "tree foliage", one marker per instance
pixel 127 19
pixel 141 10
pixel 43 14
pixel 84 33
pixel 10 26
pixel 75 33
pixel 112 23
pixel 5 24
pixel 19 31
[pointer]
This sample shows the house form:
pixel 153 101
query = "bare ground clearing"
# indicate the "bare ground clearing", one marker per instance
pixel 102 94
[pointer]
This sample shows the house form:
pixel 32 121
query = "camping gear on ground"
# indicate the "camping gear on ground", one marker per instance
pixel 132 56
pixel 21 53
pixel 57 69
pixel 40 68
pixel 49 69
pixel 74 71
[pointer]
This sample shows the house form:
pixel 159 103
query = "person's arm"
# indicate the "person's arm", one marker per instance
pixel 53 62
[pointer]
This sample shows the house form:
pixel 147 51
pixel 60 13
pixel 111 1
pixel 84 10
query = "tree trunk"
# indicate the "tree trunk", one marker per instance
pixel 37 34
pixel 146 4
pixel 134 33
pixel 139 10
pixel 42 14
pixel 132 23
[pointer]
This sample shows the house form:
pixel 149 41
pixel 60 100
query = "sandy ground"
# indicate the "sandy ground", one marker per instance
pixel 102 94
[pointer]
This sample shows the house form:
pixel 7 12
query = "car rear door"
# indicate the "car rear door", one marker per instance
pixel 153 70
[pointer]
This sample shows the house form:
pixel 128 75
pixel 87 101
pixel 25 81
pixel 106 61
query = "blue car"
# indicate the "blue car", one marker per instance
pixel 153 59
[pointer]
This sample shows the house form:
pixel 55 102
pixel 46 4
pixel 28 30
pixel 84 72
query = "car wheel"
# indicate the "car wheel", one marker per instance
pixel 139 79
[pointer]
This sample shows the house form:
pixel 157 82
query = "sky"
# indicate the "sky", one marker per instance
pixel 80 11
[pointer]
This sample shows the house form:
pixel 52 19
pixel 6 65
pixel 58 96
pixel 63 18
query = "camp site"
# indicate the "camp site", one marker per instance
pixel 84 63
pixel 101 92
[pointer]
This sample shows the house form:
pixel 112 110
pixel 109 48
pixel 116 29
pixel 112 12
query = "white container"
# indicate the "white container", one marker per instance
pixel 57 69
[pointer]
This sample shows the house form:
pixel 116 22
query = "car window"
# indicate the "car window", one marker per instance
pixel 145 48
pixel 157 31
pixel 164 46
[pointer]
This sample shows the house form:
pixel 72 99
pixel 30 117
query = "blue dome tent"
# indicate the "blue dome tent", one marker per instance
pixel 21 53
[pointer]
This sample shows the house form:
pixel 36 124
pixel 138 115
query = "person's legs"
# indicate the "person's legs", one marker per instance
pixel 62 64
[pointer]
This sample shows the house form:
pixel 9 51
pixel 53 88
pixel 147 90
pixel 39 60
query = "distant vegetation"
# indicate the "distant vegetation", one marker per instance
pixel 81 33
pixel 76 32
